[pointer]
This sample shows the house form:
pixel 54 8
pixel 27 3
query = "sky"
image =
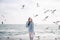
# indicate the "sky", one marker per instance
pixel 12 12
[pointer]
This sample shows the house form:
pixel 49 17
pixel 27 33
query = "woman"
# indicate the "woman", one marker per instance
pixel 30 26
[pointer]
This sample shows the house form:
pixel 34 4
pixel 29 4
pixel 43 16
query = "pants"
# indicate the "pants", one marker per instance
pixel 31 35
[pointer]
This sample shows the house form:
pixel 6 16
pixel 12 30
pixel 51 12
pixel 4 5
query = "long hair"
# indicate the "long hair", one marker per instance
pixel 29 20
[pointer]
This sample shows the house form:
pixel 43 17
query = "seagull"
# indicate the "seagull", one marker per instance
pixel 56 22
pixel 46 17
pixel 53 10
pixel 37 5
pixel 2 22
pixel 59 26
pixel 23 6
pixel 36 15
pixel 46 11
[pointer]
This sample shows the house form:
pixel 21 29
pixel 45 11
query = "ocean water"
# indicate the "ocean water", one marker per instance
pixel 20 29
pixel 12 29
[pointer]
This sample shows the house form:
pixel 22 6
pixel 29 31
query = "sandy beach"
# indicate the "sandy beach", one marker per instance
pixel 41 36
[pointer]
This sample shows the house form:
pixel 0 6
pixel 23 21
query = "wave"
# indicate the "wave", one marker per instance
pixel 11 32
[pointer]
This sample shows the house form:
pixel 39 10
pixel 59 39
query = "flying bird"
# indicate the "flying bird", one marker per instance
pixel 46 11
pixel 36 15
pixel 59 27
pixel 53 10
pixel 23 6
pixel 56 22
pixel 2 22
pixel 46 17
pixel 38 5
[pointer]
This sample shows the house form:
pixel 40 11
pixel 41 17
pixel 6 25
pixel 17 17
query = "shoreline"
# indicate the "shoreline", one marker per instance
pixel 45 36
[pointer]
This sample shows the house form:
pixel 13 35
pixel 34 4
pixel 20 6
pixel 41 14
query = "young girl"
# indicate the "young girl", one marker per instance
pixel 30 26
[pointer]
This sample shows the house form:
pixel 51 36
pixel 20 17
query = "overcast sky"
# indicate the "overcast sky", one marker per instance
pixel 11 11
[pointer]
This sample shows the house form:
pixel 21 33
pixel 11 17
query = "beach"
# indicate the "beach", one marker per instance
pixel 20 32
pixel 15 13
pixel 41 36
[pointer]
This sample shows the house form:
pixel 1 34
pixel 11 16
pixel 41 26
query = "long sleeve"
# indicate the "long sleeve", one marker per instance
pixel 26 24
pixel 30 27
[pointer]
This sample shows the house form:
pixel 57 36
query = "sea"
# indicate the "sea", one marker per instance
pixel 20 29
